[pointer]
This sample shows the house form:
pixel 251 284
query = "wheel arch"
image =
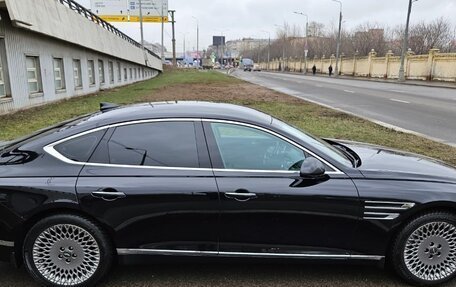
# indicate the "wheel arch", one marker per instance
pixel 438 206
pixel 57 210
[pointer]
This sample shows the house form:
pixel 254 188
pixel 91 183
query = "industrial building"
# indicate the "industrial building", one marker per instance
pixel 56 49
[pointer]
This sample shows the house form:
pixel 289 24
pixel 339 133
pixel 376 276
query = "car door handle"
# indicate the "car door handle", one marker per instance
pixel 240 195
pixel 108 194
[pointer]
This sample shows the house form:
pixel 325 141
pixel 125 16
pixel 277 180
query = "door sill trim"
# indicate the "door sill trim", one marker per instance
pixel 129 251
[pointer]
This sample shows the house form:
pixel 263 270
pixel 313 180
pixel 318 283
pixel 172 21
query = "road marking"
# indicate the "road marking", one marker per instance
pixel 398 91
pixel 348 91
pixel 399 101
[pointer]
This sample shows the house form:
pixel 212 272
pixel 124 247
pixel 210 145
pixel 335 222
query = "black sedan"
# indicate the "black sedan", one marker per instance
pixel 216 180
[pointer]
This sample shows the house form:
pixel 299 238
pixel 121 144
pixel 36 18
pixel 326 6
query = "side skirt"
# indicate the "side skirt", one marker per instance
pixel 126 251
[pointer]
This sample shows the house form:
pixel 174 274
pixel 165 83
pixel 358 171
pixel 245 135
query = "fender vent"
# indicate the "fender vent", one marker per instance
pixel 385 210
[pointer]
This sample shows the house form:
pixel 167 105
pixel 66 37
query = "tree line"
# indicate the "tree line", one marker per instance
pixel 322 40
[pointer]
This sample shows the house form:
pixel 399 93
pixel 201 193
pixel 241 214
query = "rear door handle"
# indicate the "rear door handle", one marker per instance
pixel 109 194
pixel 241 195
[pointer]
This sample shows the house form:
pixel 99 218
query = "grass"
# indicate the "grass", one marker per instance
pixel 214 86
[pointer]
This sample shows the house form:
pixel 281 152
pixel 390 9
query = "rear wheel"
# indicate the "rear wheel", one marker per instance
pixel 424 252
pixel 67 250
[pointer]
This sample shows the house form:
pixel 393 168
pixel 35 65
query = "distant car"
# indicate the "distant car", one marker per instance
pixel 216 181
pixel 168 63
pixel 256 68
pixel 247 65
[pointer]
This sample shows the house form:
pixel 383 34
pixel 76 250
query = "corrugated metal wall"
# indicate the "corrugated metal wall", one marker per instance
pixel 19 43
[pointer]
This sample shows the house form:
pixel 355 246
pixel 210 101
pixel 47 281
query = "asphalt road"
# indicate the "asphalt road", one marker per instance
pixel 430 111
pixel 221 275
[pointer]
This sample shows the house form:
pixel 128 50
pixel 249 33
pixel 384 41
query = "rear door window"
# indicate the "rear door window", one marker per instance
pixel 157 144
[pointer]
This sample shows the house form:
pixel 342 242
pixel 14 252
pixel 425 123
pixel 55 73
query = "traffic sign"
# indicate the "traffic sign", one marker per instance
pixel 154 11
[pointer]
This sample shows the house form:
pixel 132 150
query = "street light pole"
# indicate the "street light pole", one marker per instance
pixel 269 47
pixel 197 40
pixel 283 45
pixel 142 31
pixel 338 40
pixel 162 33
pixel 306 48
pixel 405 43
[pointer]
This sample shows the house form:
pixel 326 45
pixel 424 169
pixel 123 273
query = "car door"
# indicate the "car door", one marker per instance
pixel 267 209
pixel 152 184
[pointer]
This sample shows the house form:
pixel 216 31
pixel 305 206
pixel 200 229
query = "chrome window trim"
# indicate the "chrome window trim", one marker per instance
pixel 51 150
pixel 167 252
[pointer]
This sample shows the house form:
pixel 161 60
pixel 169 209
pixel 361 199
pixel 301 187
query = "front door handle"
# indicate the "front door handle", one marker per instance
pixel 109 194
pixel 241 195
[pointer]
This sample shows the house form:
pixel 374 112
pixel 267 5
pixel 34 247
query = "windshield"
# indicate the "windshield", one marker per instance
pixel 317 143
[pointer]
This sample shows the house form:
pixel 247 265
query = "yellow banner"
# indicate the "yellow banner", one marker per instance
pixel 146 19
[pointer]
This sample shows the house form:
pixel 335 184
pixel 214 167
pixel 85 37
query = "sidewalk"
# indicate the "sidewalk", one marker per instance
pixel 435 84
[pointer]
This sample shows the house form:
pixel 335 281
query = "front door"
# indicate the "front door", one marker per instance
pixel 266 208
pixel 151 183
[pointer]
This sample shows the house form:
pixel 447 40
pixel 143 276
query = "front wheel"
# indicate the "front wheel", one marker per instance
pixel 424 252
pixel 67 250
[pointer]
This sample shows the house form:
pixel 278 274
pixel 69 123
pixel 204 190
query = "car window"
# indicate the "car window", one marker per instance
pixel 319 144
pixel 167 144
pixel 80 148
pixel 243 147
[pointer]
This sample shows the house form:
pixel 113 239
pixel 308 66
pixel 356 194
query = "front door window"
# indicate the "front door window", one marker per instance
pixel 247 148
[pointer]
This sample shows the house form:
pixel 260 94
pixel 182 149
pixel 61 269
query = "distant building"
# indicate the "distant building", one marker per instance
pixel 235 48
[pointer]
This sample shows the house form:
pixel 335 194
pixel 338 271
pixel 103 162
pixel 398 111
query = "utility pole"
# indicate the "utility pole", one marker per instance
pixel 142 31
pixel 184 50
pixel 197 40
pixel 405 43
pixel 174 37
pixel 269 47
pixel 336 70
pixel 283 45
pixel 306 48
pixel 162 33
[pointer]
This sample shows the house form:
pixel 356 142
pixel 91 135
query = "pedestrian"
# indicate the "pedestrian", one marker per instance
pixel 330 69
pixel 314 70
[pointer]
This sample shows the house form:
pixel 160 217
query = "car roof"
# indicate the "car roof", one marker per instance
pixel 181 109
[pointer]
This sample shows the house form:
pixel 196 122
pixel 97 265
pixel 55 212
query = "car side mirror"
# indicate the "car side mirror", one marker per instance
pixel 312 168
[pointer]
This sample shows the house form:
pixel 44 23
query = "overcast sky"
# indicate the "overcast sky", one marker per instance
pixel 248 18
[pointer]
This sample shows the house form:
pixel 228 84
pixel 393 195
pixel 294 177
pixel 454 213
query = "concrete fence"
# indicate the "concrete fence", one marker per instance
pixel 433 66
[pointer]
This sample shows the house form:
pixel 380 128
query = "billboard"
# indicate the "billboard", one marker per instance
pixel 128 10
pixel 218 40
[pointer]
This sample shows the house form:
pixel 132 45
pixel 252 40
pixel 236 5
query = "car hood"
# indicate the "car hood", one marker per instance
pixel 378 161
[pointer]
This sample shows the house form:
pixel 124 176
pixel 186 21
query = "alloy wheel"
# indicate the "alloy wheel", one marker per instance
pixel 430 251
pixel 66 254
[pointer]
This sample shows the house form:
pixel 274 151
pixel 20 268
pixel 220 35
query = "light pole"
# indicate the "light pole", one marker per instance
pixel 141 24
pixel 269 46
pixel 184 35
pixel 405 43
pixel 283 45
pixel 197 40
pixel 306 48
pixel 338 40
pixel 162 33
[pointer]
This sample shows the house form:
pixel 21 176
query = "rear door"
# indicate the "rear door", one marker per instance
pixel 152 184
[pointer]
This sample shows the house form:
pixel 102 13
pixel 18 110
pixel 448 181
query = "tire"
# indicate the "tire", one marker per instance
pixel 54 244
pixel 424 251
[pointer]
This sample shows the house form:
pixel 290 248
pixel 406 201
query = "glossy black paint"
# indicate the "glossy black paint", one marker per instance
pixel 192 209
